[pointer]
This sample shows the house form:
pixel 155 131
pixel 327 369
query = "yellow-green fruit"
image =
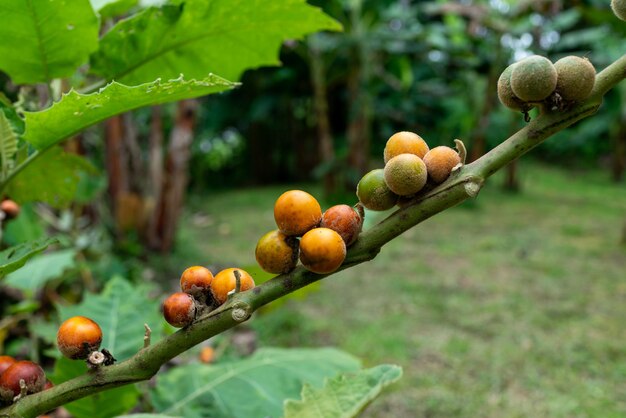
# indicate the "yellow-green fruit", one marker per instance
pixel 405 143
pixel 405 174
pixel 277 253
pixel 505 92
pixel 439 163
pixel 619 8
pixel 533 79
pixel 576 77
pixel 373 192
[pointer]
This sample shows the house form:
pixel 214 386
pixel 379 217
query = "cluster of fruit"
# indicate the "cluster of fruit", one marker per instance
pixel 409 166
pixel 619 8
pixel 200 292
pixel 319 240
pixel 20 378
pixel 535 80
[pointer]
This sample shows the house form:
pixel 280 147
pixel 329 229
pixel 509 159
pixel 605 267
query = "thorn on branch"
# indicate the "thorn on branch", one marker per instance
pixel 146 336
pixel 23 391
pixel 237 284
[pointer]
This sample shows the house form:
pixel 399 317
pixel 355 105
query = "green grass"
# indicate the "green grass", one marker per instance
pixel 512 306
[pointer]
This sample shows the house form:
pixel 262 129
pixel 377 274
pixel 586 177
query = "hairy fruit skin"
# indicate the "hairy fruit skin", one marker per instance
pixel 196 279
pixel 505 92
pixel 225 282
pixel 344 220
pixel 179 309
pixel 78 337
pixel 6 362
pixel 439 163
pixel 373 192
pixel 322 250
pixel 296 212
pixel 32 374
pixel 405 174
pixel 10 208
pixel 277 253
pixel 405 143
pixel 576 77
pixel 619 8
pixel 533 79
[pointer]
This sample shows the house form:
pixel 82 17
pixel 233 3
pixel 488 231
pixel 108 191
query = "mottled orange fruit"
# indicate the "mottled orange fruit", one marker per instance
pixel 179 309
pixel 405 174
pixel 78 337
pixel 195 278
pixel 405 143
pixel 225 282
pixel 344 220
pixel 276 252
pixel 296 212
pixel 322 250
pixel 32 375
pixel 439 163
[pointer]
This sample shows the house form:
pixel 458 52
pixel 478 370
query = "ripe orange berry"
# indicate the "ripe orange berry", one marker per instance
pixel 32 374
pixel 10 208
pixel 207 355
pixel 344 220
pixel 439 163
pixel 373 192
pixel 405 143
pixel 322 250
pixel 179 309
pixel 225 282
pixel 196 279
pixel 296 212
pixel 276 252
pixel 78 337
pixel 5 362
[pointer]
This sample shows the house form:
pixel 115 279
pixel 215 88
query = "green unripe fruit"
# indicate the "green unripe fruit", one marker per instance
pixel 619 8
pixel 533 79
pixel 505 92
pixel 373 192
pixel 405 174
pixel 576 77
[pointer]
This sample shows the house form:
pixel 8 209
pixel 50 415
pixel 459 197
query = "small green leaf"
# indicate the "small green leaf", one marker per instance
pixel 6 107
pixel 344 396
pixel 45 39
pixel 15 257
pixel 266 378
pixel 8 146
pixel 197 37
pixel 52 178
pixel 115 309
pixel 105 404
pixel 41 270
pixel 75 111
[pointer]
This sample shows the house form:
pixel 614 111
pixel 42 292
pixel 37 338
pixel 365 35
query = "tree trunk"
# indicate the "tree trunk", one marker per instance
pixel 479 139
pixel 176 166
pixel 115 161
pixel 325 139
pixel 155 179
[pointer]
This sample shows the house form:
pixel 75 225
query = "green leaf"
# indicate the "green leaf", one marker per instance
pixel 45 39
pixel 115 309
pixel 6 107
pixel 265 379
pixel 52 178
pixel 15 257
pixel 26 227
pixel 344 396
pixel 105 404
pixel 41 270
pixel 197 37
pixel 8 146
pixel 75 112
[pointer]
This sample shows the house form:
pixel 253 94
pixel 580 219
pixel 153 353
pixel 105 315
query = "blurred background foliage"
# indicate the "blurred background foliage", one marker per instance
pixel 320 121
